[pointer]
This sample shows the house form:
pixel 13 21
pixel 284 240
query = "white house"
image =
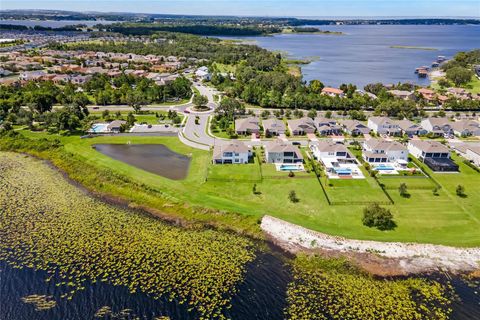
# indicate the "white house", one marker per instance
pixel 434 154
pixel 336 159
pixel 383 125
pixel 279 151
pixel 437 126
pixel 378 150
pixel 233 153
pixel 203 73
pixel 473 154
pixel 422 149
pixel 329 149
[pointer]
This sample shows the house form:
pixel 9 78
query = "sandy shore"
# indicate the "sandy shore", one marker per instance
pixel 385 258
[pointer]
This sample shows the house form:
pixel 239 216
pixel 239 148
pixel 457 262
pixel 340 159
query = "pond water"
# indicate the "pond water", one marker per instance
pixel 260 296
pixel 364 54
pixel 154 158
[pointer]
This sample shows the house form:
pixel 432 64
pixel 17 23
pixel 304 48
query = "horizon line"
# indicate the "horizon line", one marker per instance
pixel 250 16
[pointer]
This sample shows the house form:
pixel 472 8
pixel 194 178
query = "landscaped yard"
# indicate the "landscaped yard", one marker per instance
pixel 150 118
pixel 424 217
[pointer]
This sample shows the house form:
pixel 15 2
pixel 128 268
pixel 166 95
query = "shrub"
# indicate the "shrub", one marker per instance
pixel 292 196
pixel 460 191
pixel 403 190
pixel 378 217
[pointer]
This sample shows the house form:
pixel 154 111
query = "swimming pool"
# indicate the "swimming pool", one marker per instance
pixel 290 168
pixel 99 128
pixel 386 168
pixel 343 171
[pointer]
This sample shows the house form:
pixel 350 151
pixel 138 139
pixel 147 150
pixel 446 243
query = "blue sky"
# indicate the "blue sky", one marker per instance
pixel 319 8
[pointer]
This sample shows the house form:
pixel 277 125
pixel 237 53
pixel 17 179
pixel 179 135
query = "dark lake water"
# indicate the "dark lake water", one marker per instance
pixel 154 158
pixel 54 23
pixel 261 296
pixel 364 55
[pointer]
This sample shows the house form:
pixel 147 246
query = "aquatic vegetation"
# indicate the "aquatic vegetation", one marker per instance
pixel 46 223
pixel 333 289
pixel 41 302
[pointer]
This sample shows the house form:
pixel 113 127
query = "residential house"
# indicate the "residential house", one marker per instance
pixel 437 126
pixel 203 73
pixel 32 75
pixel 379 150
pixel 411 129
pixel 236 153
pixel 80 79
pixel 333 92
pixel 327 126
pixel 248 125
pixel 427 94
pixel 465 128
pixel 279 151
pixel 61 78
pixel 473 154
pixel 355 127
pixel 301 126
pixel 329 149
pixel 434 154
pixel 274 127
pixel 115 126
pixel 336 159
pixel 402 94
pixel 383 125
pixel 459 93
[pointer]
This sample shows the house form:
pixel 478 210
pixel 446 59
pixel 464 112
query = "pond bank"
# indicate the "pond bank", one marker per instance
pixel 379 258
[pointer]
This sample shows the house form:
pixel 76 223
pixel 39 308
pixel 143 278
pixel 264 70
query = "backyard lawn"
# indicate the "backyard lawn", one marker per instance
pixel 424 217
pixel 150 118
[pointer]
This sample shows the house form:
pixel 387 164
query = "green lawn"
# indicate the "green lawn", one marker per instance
pixel 140 118
pixel 414 182
pixel 443 219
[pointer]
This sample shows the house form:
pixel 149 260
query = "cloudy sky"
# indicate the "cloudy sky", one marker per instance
pixel 318 8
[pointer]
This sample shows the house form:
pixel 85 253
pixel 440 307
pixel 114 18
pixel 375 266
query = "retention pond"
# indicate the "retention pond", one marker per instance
pixel 154 158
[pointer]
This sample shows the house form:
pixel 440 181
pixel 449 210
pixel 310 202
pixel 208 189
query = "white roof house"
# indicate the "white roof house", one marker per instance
pixel 378 150
pixel 383 125
pixel 279 151
pixel 233 153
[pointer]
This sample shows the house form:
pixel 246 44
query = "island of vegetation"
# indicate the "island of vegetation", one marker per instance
pixel 413 48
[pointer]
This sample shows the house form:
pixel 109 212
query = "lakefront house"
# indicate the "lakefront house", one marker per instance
pixel 279 151
pixel 383 151
pixel 232 153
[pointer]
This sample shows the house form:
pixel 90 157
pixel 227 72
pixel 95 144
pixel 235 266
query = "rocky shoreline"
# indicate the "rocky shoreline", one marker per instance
pixel 379 258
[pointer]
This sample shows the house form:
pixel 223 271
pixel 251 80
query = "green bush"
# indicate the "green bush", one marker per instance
pixel 378 217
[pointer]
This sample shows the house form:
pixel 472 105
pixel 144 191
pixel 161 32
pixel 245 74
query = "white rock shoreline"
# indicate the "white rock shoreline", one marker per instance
pixel 411 257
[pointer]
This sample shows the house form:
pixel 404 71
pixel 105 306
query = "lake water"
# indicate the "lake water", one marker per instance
pixel 364 55
pixel 260 296
pixel 54 23
pixel 154 158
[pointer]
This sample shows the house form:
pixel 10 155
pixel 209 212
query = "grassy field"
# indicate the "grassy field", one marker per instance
pixel 140 118
pixel 424 217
